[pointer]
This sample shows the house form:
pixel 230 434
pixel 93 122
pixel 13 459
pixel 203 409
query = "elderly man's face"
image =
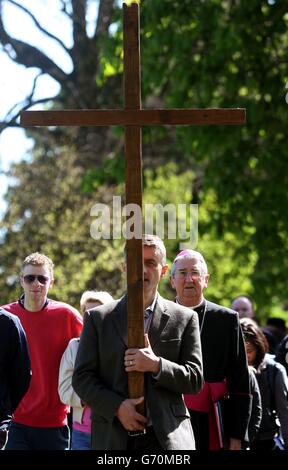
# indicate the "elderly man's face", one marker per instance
pixel 189 280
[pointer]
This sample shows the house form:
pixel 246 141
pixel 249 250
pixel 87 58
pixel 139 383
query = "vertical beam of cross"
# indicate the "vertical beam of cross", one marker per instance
pixel 133 178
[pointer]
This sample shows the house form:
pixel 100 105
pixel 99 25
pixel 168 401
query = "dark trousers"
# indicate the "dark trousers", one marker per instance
pixel 147 442
pixel 23 437
pixel 200 426
pixel 263 446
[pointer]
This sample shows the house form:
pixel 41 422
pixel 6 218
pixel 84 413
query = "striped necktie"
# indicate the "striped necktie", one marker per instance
pixel 147 315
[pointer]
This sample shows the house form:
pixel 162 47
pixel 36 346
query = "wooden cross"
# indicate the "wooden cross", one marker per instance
pixel 133 117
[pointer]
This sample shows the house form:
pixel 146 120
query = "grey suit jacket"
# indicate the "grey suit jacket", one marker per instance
pixel 101 381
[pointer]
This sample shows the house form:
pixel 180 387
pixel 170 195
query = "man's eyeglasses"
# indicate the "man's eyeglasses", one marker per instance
pixel 30 278
pixel 185 274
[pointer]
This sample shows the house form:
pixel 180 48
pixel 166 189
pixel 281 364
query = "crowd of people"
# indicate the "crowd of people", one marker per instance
pixel 214 379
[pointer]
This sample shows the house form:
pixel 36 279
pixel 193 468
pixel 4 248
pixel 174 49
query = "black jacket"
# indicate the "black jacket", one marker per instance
pixel 282 353
pixel 224 357
pixel 15 372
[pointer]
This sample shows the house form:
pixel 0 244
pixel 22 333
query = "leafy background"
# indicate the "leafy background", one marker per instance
pixel 194 54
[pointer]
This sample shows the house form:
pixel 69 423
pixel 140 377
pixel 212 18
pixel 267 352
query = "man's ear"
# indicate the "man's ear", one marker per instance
pixel 51 284
pixel 207 277
pixel 164 270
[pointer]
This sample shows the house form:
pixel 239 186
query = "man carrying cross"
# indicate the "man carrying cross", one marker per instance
pixel 171 362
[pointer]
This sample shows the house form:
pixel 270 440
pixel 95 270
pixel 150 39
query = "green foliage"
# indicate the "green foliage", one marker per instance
pixel 230 54
pixel 111 172
pixel 194 54
pixel 51 217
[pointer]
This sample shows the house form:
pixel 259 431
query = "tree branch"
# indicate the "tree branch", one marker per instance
pixel 29 102
pixel 13 120
pixel 79 21
pixel 29 98
pixel 105 11
pixel 11 117
pixel 36 22
pixel 30 56
pixel 4 125
pixel 64 9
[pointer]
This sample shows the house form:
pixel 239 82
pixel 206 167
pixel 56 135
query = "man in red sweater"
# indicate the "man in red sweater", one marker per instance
pixel 40 420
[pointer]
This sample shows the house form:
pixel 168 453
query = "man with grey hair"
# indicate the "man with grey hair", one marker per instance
pixel 171 361
pixel 224 359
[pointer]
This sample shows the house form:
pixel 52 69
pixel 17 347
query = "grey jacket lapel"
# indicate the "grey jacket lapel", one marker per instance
pixel 119 317
pixel 159 320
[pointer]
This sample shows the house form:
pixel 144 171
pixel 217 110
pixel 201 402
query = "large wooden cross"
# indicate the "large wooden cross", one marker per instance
pixel 133 117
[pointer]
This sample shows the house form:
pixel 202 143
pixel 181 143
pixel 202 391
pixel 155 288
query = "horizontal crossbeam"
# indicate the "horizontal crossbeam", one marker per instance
pixel 137 117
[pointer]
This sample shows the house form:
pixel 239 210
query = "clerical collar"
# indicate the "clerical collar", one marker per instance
pixel 192 307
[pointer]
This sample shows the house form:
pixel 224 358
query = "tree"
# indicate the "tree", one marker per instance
pixel 235 56
pixel 48 207
pixel 194 54
pixel 79 88
pixel 92 158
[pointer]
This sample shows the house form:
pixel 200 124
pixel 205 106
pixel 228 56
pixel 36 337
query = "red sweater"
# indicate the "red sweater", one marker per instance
pixel 48 333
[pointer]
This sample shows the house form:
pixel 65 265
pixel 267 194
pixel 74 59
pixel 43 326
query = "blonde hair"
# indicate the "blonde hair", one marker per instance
pixel 93 296
pixel 38 259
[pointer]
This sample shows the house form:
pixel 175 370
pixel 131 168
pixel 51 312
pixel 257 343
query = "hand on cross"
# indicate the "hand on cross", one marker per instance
pixel 142 360
pixel 129 417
